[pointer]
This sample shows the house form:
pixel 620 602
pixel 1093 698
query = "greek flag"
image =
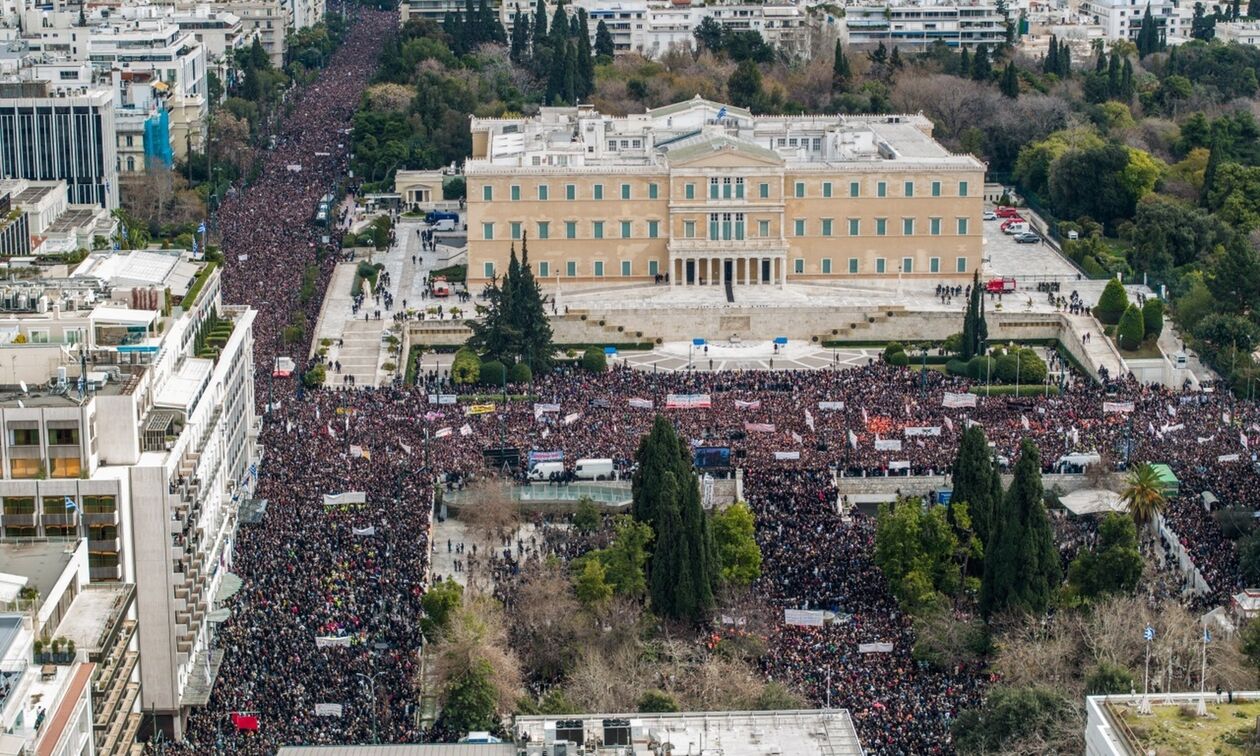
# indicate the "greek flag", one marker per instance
pixel 201 228
pixel 721 113
pixel 253 469
pixel 70 505
pixel 1149 633
pixel 1207 635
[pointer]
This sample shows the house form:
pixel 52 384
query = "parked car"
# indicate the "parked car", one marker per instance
pixel 1007 222
pixel 1016 227
pixel 989 215
pixel 1027 238
pixel 1006 212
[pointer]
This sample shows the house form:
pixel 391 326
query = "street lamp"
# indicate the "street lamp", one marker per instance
pixel 369 682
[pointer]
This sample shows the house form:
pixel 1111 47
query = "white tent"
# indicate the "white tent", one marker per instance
pixel 1092 501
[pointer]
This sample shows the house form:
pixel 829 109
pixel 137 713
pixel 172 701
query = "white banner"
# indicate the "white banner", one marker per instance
pixel 370 530
pixel 899 464
pixel 875 648
pixel 1117 407
pixel 759 427
pixel 1171 428
pixel 356 450
pixel 924 430
pixel 785 455
pixel 349 497
pixel 809 419
pixel 741 404
pixel 830 406
pixel 571 418
pixel 949 424
pixel 324 641
pixel 442 433
pixel 1228 458
pixel 327 710
pixel 540 409
pixel 687 401
pixel 443 399
pixel 465 430
pixel 641 404
pixel 803 617
pixel 958 400
pixel 852 439
pixel 887 444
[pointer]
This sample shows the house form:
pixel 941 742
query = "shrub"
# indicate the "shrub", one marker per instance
pixel 1108 679
pixel 466 367
pixel 594 361
pixel 1112 303
pixel 956 367
pixel 980 367
pixel 897 359
pixel 520 373
pixel 493 373
pixel 657 701
pixel 1019 365
pixel 1131 329
pixel 953 343
pixel 893 347
pixel 314 377
pixel 1153 317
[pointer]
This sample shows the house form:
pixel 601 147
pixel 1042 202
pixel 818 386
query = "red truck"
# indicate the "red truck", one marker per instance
pixel 1006 212
pixel 439 287
pixel 1000 285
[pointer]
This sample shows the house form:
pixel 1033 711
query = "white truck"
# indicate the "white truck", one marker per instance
pixel 544 470
pixel 594 469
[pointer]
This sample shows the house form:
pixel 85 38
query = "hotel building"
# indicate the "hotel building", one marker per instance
pixel 704 193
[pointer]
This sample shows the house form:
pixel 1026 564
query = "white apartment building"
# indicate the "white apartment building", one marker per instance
pixel 1122 19
pixel 131 393
pixel 68 137
pixel 306 13
pixel 1242 32
pixel 56 226
pixel 913 28
pixel 270 20
pixel 219 31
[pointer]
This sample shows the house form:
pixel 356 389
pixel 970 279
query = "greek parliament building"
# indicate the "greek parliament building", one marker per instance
pixel 705 193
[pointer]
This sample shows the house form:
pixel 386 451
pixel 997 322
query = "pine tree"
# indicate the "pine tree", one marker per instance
pixel 981 68
pixel 880 55
pixel 515 327
pixel 604 46
pixel 972 473
pixel 1021 563
pixel 530 316
pixel 585 58
pixel 1010 81
pixel 471 34
pixel 840 70
pixel 895 59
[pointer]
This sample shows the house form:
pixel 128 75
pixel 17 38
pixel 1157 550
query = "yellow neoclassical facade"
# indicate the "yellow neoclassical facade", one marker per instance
pixel 701 193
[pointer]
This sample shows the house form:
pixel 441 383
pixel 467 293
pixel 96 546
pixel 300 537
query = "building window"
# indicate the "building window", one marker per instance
pixel 881 265
pixel 936 188
pixel 597 229
pixel 907 265
pixel 570 191
pixel 653 191
pixel 544 229
pixel 25 468
pixel 827 189
pixel 654 268
pixel 516 193
pixel 909 188
pixel 487 193
pixel 599 268
pixel 907 226
pixel 24 437
pixel 689 229
pixel 570 229
pixel 570 268
pixel 855 227
pixel 625 268
pixel 544 269
pixel 800 188
pixel 826 265
pixel 763 229
pixel 962 226
pixel 654 228
pixel 881 226
pixel 763 190
pixel 826 227
pixel 934 225
pixel 855 189
pixel 488 269
pixel 960 265
pixel 487 231
pixel 689 191
pixel 598 191
pixel 739 188
pixel 962 188
pixel 625 229
pixel 515 228
pixel 799 227
pixel 64 467
pixel 798 265
pixel 934 265
pixel 542 192
pixel 881 189
pixel 853 265
pixel 625 191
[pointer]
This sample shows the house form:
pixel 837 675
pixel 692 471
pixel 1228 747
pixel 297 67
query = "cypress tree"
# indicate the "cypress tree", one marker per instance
pixel 604 47
pixel 895 59
pixel 1051 62
pixel 539 26
pixel 1126 81
pixel 520 37
pixel 972 475
pixel 673 583
pixel 1253 10
pixel 571 75
pixel 470 34
pixel 585 58
pixel 981 69
pixel 840 70
pixel 557 90
pixel 1147 36
pixel 1010 81
pixel 1209 172
pixel 1113 75
pixel 1021 564
pixel 1065 61
pixel 964 63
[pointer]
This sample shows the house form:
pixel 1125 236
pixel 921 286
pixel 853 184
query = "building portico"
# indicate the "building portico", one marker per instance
pixel 706 269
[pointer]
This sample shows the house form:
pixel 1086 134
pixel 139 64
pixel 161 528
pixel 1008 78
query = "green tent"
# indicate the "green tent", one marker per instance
pixel 1172 486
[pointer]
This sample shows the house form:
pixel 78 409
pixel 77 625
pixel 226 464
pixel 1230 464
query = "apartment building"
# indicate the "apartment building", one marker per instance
pixel 60 136
pixel 1242 32
pixel 131 397
pixel 917 27
pixel 268 20
pixel 1122 19
pixel 54 225
pixel 219 31
pixel 704 193
pixel 15 234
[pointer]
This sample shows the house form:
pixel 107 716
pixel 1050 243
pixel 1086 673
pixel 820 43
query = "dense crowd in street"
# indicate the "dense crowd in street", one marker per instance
pixel 353 574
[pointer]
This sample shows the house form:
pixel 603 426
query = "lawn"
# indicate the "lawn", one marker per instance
pixel 1174 730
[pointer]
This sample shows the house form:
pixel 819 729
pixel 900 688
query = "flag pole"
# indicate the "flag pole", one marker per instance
pixel 1202 710
pixel 1144 706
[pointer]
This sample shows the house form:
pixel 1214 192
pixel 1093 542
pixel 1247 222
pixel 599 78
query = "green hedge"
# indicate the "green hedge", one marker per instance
pixel 1028 389
pixel 453 273
pixel 203 275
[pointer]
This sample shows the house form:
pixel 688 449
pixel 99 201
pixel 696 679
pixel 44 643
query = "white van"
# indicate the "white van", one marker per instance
pixel 1018 227
pixel 445 224
pixel 593 469
pixel 544 470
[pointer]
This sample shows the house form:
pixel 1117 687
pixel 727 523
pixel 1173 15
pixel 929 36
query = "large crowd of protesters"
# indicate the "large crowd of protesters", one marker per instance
pixel 353 573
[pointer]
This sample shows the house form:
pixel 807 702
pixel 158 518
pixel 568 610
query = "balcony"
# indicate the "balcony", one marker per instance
pixel 728 247
pixel 111 572
pixel 111 545
pixel 62 520
pixel 101 518
pixel 26 520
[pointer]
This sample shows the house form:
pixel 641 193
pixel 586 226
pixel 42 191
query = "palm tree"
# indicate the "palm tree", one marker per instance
pixel 1143 494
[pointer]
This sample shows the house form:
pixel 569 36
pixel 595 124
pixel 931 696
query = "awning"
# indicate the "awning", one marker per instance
pixel 228 587
pixel 219 615
pixel 1092 501
pixel 123 316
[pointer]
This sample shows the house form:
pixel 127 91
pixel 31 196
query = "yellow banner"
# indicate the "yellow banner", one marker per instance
pixel 480 409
